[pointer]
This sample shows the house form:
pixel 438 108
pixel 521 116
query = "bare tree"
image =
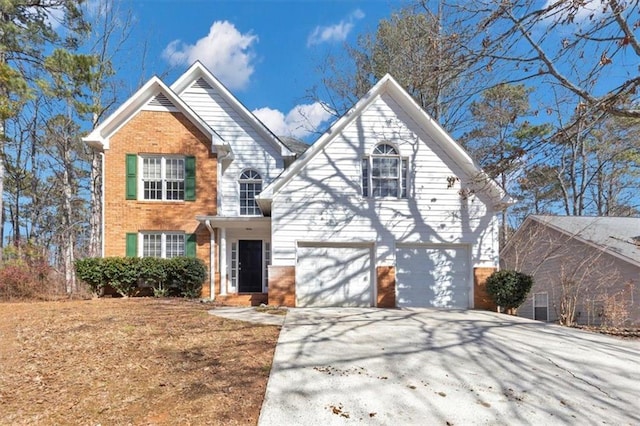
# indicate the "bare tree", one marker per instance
pixel 571 45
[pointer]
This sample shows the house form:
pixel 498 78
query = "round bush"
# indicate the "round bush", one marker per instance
pixel 508 288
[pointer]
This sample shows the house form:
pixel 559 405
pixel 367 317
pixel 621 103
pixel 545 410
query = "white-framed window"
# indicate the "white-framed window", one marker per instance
pixel 384 173
pixel 267 262
pixel 234 265
pixel 163 177
pixel 541 306
pixel 250 186
pixel 163 244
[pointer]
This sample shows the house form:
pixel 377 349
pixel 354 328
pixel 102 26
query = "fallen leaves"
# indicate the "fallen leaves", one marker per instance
pixel 136 361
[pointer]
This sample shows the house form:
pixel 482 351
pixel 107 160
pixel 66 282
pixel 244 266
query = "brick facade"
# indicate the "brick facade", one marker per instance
pixel 156 132
pixel 282 285
pixel 386 286
pixel 481 299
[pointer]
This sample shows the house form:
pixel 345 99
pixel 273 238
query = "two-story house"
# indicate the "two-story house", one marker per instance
pixel 385 209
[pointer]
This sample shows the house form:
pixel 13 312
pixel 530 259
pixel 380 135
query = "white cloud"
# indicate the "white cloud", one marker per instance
pixel 583 11
pixel 337 32
pixel 225 51
pixel 300 122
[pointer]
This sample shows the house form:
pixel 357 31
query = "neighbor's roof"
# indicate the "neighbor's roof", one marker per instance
pixel 295 145
pixel 619 236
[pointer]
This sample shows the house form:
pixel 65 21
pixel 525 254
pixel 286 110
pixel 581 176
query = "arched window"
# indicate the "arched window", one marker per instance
pixel 250 186
pixel 384 173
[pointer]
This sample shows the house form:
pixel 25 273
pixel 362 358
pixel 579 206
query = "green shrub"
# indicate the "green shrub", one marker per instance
pixel 178 276
pixel 509 289
pixel 122 274
pixel 185 276
pixel 152 271
pixel 90 270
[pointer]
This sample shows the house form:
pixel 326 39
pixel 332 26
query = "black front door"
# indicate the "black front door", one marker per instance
pixel 250 266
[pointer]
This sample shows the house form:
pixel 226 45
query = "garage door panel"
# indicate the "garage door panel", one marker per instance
pixel 432 277
pixel 333 276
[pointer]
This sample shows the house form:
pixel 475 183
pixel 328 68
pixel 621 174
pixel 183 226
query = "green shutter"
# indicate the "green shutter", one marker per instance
pixel 132 179
pixel 132 244
pixel 190 179
pixel 190 245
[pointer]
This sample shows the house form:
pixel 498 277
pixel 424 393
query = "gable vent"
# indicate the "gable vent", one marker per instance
pixel 160 100
pixel 201 83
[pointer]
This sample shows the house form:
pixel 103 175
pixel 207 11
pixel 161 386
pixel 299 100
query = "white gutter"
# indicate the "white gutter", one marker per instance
pixel 212 257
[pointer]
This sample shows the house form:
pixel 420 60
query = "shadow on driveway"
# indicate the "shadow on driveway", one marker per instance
pixel 348 365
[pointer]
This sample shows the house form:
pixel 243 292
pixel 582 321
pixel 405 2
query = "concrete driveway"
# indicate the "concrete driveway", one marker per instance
pixel 397 367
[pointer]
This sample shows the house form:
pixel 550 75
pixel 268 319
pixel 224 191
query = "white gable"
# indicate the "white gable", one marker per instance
pixel 252 144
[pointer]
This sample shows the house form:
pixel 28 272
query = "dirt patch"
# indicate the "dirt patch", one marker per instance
pixel 130 361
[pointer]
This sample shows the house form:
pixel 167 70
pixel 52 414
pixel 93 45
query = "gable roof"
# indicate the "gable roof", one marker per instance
pixel 295 145
pixel 198 71
pixel 618 236
pixel 390 86
pixel 156 94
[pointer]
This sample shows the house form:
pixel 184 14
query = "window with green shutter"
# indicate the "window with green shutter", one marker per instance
pixel 132 179
pixel 132 245
pixel 190 248
pixel 190 178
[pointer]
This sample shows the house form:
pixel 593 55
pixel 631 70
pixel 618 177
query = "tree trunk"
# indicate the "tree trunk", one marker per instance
pixel 95 220
pixel 68 232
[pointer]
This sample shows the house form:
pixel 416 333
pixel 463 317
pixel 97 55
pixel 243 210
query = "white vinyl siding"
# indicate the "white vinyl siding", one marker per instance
pixel 336 210
pixel 250 148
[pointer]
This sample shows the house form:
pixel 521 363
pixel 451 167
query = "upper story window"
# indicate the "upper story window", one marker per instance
pixel 384 173
pixel 250 186
pixel 160 177
pixel 163 178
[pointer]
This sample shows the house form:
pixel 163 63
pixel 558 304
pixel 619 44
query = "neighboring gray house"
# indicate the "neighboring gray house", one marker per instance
pixel 585 267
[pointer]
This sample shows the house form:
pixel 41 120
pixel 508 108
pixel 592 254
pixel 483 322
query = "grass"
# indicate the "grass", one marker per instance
pixel 130 361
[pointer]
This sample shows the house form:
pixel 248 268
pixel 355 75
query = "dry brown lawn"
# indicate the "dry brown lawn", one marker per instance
pixel 130 361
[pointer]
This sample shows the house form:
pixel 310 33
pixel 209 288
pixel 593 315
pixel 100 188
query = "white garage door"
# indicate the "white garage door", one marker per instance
pixel 432 277
pixel 333 276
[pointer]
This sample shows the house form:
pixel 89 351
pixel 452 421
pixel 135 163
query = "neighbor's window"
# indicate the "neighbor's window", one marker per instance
pixel 384 173
pixel 163 244
pixel 250 186
pixel 163 178
pixel 541 306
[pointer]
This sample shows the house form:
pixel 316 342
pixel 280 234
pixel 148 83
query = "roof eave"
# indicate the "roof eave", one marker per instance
pixel 198 70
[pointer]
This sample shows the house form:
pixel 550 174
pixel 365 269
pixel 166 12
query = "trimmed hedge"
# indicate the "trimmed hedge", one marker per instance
pixel 178 276
pixel 509 289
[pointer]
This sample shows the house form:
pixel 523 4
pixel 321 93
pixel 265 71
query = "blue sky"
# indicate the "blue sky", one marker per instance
pixel 265 51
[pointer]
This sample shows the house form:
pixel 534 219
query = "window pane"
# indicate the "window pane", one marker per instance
pixel 365 177
pixel 175 168
pixel 152 178
pixel 153 190
pixel 174 245
pixel 175 178
pixel 403 175
pixel 249 188
pixel 152 245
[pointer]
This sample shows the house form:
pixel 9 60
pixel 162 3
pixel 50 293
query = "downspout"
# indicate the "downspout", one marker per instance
pixel 212 258
pixel 102 213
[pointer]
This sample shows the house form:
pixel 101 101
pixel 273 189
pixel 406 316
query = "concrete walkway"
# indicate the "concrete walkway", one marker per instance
pixel 399 367
pixel 248 314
